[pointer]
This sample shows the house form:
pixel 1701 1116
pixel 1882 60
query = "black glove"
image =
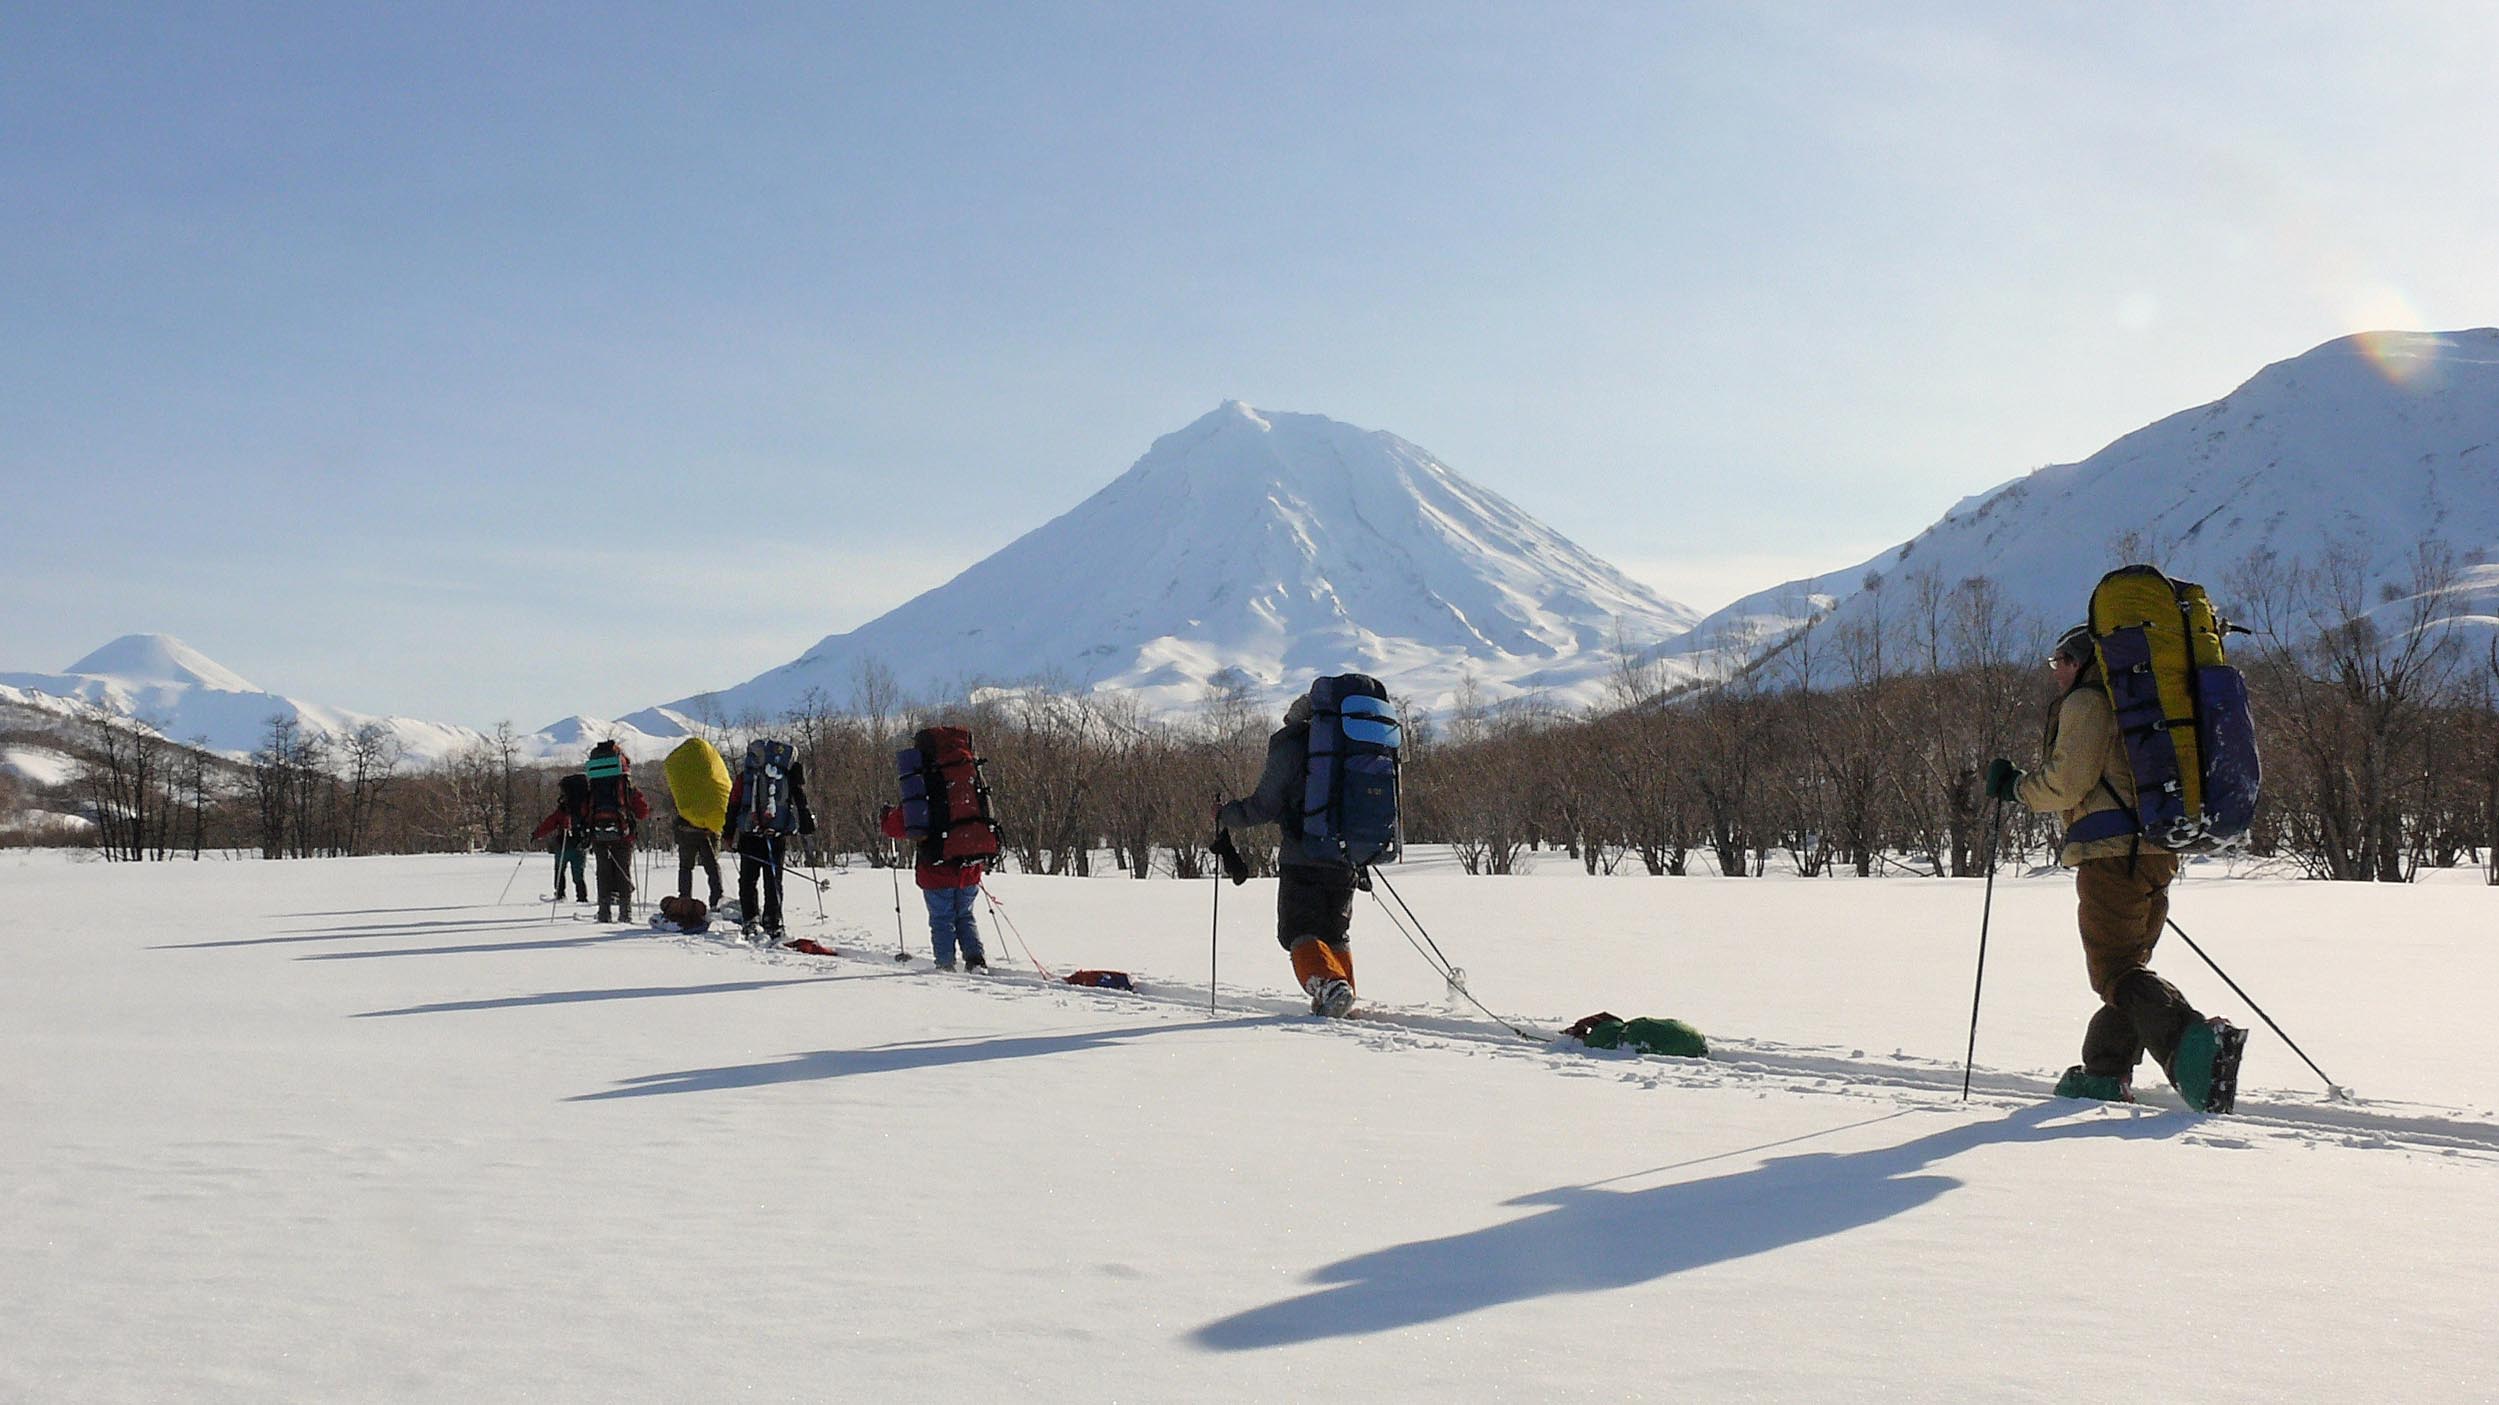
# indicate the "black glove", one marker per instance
pixel 1235 867
pixel 2001 778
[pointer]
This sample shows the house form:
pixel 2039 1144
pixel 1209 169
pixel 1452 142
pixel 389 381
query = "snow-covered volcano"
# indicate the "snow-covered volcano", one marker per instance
pixel 2370 446
pixel 1265 546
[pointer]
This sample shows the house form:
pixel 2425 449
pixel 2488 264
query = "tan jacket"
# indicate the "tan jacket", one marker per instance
pixel 2084 762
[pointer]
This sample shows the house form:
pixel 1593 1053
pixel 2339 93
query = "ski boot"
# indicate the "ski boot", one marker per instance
pixel 976 961
pixel 2100 1086
pixel 604 915
pixel 2205 1069
pixel 1332 997
pixel 945 965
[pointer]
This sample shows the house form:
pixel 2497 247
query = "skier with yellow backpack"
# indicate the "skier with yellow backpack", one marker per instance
pixel 2149 753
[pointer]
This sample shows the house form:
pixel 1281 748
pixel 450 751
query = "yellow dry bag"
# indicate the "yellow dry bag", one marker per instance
pixel 698 784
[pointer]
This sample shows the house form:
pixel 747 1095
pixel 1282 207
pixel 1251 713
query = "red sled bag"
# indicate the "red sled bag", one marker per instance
pixel 1103 980
pixel 945 798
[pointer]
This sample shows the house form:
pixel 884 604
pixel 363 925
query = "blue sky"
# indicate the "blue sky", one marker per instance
pixel 430 359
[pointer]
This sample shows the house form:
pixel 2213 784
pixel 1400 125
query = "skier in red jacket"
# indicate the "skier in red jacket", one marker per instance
pixel 950 887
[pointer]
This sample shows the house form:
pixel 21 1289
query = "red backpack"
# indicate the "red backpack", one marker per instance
pixel 945 797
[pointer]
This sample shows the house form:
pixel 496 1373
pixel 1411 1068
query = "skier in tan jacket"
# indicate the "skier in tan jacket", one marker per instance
pixel 2123 887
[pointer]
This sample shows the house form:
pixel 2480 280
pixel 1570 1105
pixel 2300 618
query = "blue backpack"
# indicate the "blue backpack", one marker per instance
pixel 767 777
pixel 1349 789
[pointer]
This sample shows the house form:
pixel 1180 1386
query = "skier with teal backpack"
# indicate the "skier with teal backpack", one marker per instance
pixel 614 815
pixel 2148 753
pixel 1330 784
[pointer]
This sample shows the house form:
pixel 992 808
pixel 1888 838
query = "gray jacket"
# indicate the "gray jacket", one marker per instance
pixel 1279 793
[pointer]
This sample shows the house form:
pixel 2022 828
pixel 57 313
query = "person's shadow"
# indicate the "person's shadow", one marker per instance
pixel 898 1058
pixel 1589 1239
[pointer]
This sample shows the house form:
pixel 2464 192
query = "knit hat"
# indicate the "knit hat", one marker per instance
pixel 2075 644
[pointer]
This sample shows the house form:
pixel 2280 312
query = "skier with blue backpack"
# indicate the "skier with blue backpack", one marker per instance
pixel 1330 785
pixel 2148 754
pixel 767 804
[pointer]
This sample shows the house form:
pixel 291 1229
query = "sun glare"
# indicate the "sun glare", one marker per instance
pixel 2403 356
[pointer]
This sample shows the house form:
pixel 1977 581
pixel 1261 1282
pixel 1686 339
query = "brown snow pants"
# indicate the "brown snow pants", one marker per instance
pixel 2125 904
pixel 2124 907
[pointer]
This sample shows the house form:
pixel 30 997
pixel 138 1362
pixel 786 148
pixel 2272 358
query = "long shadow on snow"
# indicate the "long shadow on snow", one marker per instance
pixel 375 911
pixel 340 934
pixel 1589 1240
pixel 896 1058
pixel 576 997
pixel 545 944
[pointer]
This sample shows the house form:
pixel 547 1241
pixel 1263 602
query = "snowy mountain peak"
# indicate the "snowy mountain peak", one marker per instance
pixel 160 659
pixel 1240 410
pixel 2370 368
pixel 1259 544
pixel 2368 446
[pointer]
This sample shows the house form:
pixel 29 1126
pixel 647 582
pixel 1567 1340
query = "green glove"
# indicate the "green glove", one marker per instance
pixel 2001 778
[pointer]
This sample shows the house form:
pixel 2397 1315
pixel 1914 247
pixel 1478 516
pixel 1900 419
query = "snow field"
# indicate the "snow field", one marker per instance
pixel 349 1130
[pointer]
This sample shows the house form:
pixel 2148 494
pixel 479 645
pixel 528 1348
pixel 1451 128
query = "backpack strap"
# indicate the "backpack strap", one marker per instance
pixel 2108 824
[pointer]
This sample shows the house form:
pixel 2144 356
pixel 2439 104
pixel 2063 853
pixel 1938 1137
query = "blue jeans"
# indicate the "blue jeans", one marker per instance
pixel 950 922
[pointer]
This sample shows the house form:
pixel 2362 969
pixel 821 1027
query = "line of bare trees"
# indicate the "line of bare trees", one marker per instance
pixel 301 793
pixel 1074 775
pixel 147 797
pixel 1851 746
pixel 1860 745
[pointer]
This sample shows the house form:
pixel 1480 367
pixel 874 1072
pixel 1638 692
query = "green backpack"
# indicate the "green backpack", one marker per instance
pixel 1670 1037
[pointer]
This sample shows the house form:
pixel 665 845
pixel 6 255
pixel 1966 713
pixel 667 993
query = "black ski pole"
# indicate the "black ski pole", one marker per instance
pixel 902 948
pixel 783 869
pixel 2333 1090
pixel 1986 912
pixel 1214 932
pixel 507 882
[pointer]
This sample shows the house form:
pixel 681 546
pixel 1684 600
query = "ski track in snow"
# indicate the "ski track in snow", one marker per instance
pixel 1904 1082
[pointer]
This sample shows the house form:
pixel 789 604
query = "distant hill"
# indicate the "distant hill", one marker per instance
pixel 181 692
pixel 2369 446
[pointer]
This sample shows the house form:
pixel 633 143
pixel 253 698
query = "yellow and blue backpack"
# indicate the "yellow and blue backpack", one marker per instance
pixel 2182 714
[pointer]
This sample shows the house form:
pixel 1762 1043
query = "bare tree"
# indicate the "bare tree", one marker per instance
pixel 126 784
pixel 2351 686
pixel 272 789
pixel 370 758
pixel 507 814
